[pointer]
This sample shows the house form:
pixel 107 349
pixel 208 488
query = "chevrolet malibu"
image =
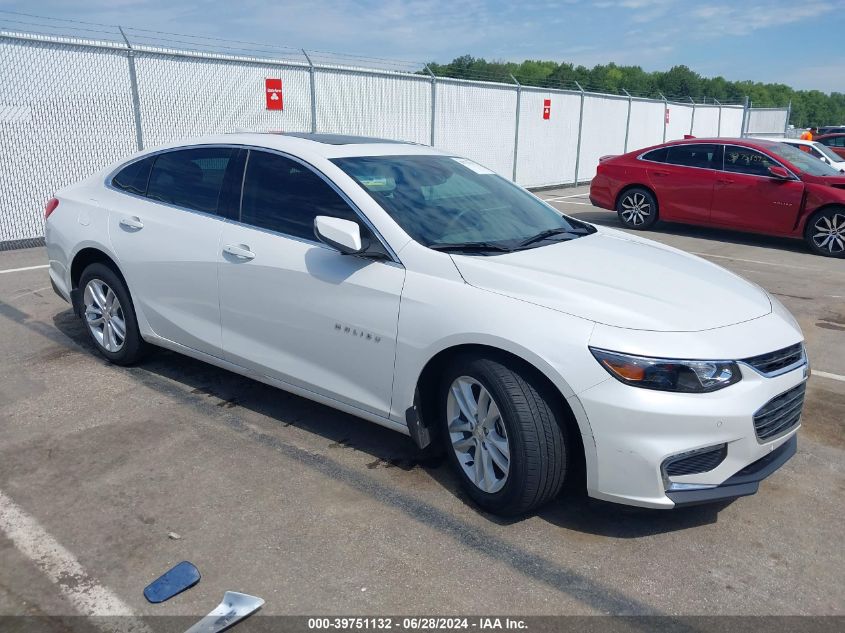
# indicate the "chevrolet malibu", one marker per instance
pixel 753 185
pixel 422 292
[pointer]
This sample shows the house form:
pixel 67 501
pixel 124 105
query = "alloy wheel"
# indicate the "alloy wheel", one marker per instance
pixel 478 435
pixel 104 315
pixel 635 208
pixel 829 233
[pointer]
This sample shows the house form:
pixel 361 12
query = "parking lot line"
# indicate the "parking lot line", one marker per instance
pixel 752 261
pixel 574 195
pixel 20 270
pixel 825 374
pixel 88 597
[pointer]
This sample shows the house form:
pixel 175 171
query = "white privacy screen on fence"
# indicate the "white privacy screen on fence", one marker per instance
pixel 182 97
pixel 385 106
pixel 477 121
pixel 766 121
pixel 67 110
pixel 602 132
pixel 646 126
pixel 546 152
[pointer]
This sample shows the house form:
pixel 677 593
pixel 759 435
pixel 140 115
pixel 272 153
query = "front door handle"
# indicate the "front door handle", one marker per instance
pixel 241 251
pixel 725 181
pixel 133 224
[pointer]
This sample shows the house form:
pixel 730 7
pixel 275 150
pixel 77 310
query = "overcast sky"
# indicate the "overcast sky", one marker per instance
pixel 799 43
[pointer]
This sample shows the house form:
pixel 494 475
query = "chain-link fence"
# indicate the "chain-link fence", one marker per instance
pixel 71 105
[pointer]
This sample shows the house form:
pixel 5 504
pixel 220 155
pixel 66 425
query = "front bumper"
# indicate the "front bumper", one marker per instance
pixel 635 431
pixel 744 483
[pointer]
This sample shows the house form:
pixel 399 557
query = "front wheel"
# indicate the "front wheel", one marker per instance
pixel 502 434
pixel 825 232
pixel 637 208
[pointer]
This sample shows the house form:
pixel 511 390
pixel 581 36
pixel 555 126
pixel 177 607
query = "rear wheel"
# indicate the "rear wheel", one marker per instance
pixel 501 431
pixel 637 208
pixel 825 232
pixel 109 316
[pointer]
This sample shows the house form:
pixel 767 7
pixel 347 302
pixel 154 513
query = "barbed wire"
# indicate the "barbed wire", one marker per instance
pixel 171 42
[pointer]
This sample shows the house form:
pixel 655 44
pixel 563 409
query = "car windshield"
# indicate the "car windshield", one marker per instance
pixel 829 153
pixel 454 204
pixel 802 160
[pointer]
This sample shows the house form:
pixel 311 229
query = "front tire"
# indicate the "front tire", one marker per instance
pixel 637 208
pixel 825 232
pixel 501 431
pixel 109 316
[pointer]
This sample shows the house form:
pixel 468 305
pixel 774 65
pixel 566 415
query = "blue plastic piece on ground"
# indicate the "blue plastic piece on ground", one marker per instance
pixel 182 576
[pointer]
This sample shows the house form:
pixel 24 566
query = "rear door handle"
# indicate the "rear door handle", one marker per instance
pixel 661 173
pixel 725 181
pixel 133 224
pixel 241 251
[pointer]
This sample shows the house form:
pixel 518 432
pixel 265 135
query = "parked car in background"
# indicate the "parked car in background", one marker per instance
pixel 831 129
pixel 425 293
pixel 815 149
pixel 752 185
pixel 836 142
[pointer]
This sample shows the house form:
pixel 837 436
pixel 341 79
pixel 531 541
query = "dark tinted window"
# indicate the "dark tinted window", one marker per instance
pixel 744 160
pixel 656 155
pixel 134 177
pixel 701 155
pixel 285 196
pixel 191 178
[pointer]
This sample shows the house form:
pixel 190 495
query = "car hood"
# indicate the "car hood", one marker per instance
pixel 620 280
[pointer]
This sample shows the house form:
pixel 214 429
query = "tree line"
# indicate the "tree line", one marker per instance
pixel 809 107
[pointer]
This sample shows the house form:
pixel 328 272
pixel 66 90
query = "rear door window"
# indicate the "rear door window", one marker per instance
pixel 190 178
pixel 701 155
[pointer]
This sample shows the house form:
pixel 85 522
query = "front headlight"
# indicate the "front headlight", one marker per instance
pixel 668 374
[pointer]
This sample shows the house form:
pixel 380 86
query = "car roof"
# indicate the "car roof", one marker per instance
pixel 303 143
pixel 721 140
pixel 831 135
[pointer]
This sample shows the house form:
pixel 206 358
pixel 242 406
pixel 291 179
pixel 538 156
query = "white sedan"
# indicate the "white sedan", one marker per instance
pixel 815 149
pixel 425 293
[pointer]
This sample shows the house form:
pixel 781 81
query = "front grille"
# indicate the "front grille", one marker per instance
pixel 780 414
pixel 696 462
pixel 775 361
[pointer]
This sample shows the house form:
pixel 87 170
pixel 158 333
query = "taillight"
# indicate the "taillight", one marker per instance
pixel 51 205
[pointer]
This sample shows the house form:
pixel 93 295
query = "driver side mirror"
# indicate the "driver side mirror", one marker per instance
pixel 341 235
pixel 776 171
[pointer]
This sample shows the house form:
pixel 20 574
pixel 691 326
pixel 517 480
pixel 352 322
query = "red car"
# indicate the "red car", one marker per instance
pixel 836 142
pixel 743 184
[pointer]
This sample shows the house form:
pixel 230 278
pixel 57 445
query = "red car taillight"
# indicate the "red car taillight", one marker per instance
pixel 51 205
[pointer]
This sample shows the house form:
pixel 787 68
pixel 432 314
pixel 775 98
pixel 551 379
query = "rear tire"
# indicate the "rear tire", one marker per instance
pixel 637 208
pixel 109 316
pixel 510 421
pixel 825 232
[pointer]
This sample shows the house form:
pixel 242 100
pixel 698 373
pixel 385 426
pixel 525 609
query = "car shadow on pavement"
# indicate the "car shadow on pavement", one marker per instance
pixel 608 218
pixel 208 385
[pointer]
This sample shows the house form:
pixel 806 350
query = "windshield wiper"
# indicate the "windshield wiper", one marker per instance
pixel 542 235
pixel 478 247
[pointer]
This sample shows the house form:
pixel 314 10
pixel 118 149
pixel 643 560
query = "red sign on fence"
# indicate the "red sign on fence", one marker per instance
pixel 273 93
pixel 547 108
pixel 667 116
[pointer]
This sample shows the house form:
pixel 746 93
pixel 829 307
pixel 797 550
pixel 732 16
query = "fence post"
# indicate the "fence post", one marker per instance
pixel 516 127
pixel 433 101
pixel 745 117
pixel 665 108
pixel 580 126
pixel 719 124
pixel 312 72
pixel 133 85
pixel 788 116
pixel 627 121
pixel 692 118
